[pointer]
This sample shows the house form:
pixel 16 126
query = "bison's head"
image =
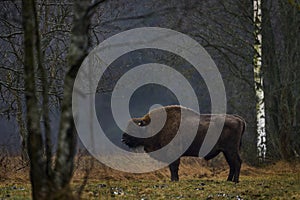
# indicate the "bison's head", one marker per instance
pixel 128 139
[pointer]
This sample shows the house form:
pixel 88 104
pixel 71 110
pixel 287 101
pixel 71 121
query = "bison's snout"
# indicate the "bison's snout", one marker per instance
pixel 125 139
pixel 130 141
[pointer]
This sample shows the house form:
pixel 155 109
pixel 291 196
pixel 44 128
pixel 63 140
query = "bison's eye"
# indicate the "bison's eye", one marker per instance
pixel 141 123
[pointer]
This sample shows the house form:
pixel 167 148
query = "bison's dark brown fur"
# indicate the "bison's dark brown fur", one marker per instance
pixel 229 141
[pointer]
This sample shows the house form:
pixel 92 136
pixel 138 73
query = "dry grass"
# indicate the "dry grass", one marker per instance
pixel 189 168
pixel 198 180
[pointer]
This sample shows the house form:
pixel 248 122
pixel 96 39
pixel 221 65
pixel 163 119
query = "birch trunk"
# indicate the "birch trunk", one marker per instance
pixel 258 81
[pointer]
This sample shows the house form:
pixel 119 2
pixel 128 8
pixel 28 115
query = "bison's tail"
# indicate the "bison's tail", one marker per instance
pixel 242 133
pixel 243 128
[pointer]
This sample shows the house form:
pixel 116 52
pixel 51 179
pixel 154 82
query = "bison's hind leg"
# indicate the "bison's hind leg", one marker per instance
pixel 237 169
pixel 174 167
pixel 234 161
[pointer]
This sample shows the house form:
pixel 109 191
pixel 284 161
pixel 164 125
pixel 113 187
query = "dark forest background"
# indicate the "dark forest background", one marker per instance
pixel 224 28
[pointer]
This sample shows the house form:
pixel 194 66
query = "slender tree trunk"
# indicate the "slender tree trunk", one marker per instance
pixel 21 121
pixel 45 97
pixel 281 22
pixel 290 15
pixel 22 128
pixel 272 82
pixel 67 137
pixel 258 79
pixel 286 125
pixel 35 143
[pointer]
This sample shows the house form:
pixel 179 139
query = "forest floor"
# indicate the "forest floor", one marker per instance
pixel 198 180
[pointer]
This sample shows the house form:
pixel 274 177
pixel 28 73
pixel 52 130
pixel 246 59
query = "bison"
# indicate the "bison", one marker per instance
pixel 229 141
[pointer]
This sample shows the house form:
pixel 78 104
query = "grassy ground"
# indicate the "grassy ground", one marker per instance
pixel 280 187
pixel 198 181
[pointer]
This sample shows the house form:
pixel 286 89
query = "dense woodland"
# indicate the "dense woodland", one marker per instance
pixel 43 43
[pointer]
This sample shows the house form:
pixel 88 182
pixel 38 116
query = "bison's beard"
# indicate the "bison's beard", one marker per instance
pixel 131 142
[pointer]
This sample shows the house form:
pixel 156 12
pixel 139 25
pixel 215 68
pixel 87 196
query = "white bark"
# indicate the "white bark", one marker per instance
pixel 258 79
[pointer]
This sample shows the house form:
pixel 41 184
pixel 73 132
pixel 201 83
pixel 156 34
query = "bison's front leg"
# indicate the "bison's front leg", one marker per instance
pixel 174 167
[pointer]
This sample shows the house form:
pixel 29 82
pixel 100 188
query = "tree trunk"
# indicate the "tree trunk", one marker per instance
pixel 35 143
pixel 48 182
pixel 258 80
pixel 22 129
pixel 282 60
pixel 272 82
pixel 67 137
